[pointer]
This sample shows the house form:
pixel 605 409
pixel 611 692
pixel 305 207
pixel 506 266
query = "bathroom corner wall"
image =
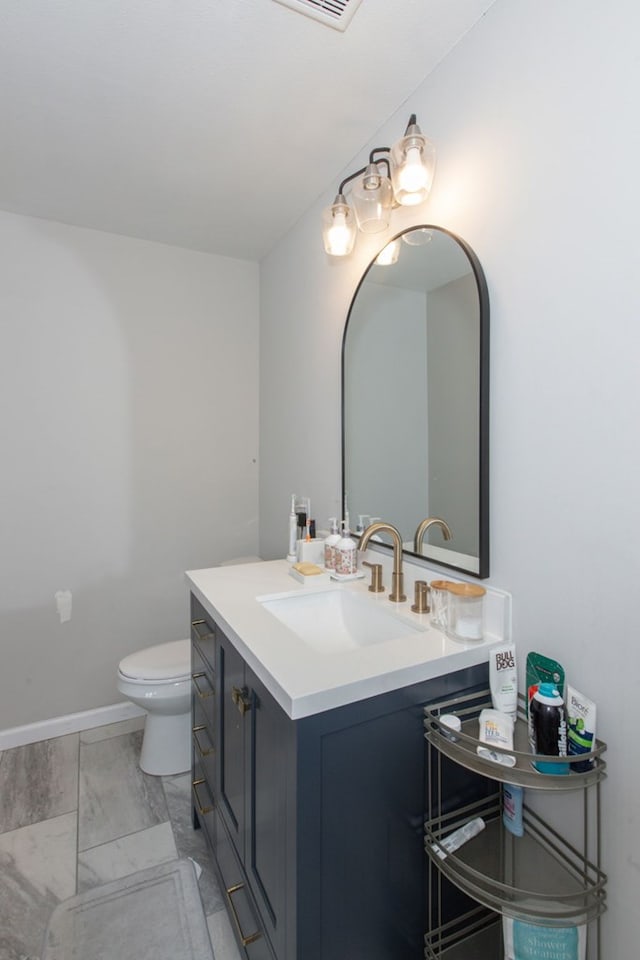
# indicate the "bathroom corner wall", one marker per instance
pixel 534 119
pixel 128 390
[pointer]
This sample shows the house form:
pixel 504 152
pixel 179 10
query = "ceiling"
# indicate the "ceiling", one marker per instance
pixel 209 125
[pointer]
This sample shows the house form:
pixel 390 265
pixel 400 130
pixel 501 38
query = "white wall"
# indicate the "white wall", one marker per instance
pixel 536 122
pixel 128 398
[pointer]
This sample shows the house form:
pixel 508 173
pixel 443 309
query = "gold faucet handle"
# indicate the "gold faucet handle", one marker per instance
pixel 420 604
pixel 376 576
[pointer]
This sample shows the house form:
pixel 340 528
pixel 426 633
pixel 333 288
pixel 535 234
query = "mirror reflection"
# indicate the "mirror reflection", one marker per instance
pixel 415 397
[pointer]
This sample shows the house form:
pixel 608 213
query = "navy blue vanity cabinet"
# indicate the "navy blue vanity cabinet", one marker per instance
pixel 319 822
pixel 361 883
pixel 254 738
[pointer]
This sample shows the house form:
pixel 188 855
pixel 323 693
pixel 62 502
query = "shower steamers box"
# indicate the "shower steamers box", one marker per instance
pixel 529 941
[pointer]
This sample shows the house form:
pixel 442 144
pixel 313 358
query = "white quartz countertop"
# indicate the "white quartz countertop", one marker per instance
pixel 306 681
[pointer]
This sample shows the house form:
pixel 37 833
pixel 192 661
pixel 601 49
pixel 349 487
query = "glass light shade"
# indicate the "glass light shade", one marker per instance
pixel 413 162
pixel 389 254
pixel 338 228
pixel 372 197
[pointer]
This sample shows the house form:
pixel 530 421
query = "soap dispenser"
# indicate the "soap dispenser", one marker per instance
pixel 330 544
pixel 346 554
pixel 363 522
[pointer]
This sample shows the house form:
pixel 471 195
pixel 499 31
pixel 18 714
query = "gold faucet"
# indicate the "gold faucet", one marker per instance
pixel 424 526
pixel 396 594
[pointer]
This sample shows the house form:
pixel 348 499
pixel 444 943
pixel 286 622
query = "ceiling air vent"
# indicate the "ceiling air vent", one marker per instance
pixel 334 13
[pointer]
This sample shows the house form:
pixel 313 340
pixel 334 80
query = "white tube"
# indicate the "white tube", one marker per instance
pixel 581 735
pixel 503 679
pixel 456 839
pixel 496 730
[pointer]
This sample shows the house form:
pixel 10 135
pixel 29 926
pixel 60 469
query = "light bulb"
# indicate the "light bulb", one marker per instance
pixel 413 160
pixel 339 235
pixel 339 230
pixel 413 176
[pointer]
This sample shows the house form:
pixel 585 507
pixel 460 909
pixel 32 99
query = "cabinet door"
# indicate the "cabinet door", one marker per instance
pixel 271 737
pixel 231 742
pixel 244 916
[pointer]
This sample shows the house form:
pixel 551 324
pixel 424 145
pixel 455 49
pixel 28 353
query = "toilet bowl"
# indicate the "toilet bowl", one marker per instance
pixel 158 679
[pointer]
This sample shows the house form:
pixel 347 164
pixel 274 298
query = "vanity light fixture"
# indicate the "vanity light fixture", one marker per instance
pixel 397 175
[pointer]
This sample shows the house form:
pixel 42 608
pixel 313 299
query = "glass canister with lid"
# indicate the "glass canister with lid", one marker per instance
pixel 466 611
pixel 440 603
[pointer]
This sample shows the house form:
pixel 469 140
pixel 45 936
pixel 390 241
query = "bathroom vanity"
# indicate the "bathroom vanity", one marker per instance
pixel 309 759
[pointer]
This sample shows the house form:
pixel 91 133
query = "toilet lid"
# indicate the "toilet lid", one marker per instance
pixel 166 661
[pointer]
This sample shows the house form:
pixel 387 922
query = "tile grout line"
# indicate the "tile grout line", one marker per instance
pixel 78 811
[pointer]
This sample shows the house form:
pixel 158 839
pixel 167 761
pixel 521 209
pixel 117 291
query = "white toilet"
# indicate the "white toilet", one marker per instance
pixel 158 679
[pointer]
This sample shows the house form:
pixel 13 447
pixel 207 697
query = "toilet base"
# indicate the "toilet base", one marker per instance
pixel 166 745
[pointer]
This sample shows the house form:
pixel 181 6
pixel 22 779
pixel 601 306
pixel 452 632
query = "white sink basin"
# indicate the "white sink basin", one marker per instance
pixel 333 620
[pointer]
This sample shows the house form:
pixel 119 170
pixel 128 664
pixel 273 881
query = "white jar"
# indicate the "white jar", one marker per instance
pixel 466 611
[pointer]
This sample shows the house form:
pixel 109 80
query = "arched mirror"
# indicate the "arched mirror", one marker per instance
pixel 415 397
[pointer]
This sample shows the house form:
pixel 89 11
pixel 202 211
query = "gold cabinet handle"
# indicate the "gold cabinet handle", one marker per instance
pixel 203 694
pixel 203 751
pixel 241 700
pixel 201 636
pixel 252 937
pixel 203 810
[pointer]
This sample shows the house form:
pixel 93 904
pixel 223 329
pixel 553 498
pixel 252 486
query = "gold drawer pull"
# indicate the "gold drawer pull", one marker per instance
pixel 203 810
pixel 252 936
pixel 203 694
pixel 203 752
pixel 241 700
pixel 201 636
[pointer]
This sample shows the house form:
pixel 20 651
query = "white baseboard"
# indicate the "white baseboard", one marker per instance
pixel 71 723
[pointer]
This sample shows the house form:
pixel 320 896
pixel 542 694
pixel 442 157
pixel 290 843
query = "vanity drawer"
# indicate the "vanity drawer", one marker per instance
pixel 203 632
pixel 240 905
pixel 203 746
pixel 202 679
pixel 203 800
pixel 203 715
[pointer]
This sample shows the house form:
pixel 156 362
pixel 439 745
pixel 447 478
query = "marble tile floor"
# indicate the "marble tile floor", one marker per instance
pixel 76 812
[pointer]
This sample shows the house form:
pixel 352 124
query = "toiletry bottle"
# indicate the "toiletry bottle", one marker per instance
pixel 330 545
pixel 503 679
pixel 293 525
pixel 363 522
pixel 346 554
pixel 512 799
pixel 549 728
pixel 302 512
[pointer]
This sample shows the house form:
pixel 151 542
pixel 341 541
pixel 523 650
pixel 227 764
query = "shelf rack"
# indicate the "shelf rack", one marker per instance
pixel 540 877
